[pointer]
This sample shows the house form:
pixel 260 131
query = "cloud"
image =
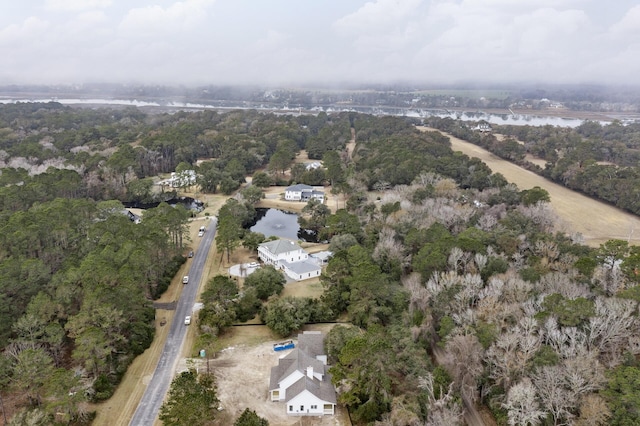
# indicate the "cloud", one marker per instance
pixel 152 20
pixel 376 16
pixel 629 24
pixel 76 5
pixel 32 28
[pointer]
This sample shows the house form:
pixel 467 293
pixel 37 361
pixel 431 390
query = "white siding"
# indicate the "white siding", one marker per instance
pixel 307 404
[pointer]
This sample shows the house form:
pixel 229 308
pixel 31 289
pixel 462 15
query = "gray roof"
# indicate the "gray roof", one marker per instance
pixel 281 246
pixel 310 345
pixel 299 187
pixel 311 342
pixel 294 360
pixel 322 255
pixel 324 390
pixel 302 267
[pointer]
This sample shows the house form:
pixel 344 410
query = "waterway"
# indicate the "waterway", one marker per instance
pixel 514 119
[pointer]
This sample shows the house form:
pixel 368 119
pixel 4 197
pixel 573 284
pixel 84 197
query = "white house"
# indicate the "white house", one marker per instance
pixel 278 251
pixel 322 257
pixel 483 127
pixel 184 178
pixel 313 165
pixel 302 192
pixel 302 270
pixel 301 379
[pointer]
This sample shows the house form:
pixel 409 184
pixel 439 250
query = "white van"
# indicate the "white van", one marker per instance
pixel 185 279
pixel 187 320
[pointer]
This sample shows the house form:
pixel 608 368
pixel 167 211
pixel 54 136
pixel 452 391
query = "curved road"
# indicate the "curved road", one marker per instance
pixel 154 394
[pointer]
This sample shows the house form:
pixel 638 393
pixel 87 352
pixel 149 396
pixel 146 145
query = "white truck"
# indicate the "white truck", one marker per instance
pixel 185 279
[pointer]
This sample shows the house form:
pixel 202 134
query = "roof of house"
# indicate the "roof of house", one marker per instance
pixel 311 342
pixel 295 360
pixel 281 246
pixel 299 187
pixel 322 255
pixel 310 345
pixel 301 267
pixel 322 389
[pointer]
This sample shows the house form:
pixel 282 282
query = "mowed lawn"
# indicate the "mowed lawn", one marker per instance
pixel 595 220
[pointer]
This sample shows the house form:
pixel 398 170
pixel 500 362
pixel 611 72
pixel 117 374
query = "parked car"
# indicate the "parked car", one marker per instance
pixel 253 264
pixel 191 253
pixel 200 233
pixel 187 320
pixel 185 279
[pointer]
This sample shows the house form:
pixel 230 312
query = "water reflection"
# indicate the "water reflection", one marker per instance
pixel 280 223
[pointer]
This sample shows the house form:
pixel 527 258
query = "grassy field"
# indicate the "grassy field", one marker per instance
pixel 595 220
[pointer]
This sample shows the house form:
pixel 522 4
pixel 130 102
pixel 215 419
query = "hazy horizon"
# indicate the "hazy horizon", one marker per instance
pixel 335 42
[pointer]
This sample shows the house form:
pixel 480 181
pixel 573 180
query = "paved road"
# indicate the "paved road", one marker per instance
pixel 149 405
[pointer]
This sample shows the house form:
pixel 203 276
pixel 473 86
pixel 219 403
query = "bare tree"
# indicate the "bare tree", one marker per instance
pixel 556 282
pixel 463 361
pixel 443 411
pixel 389 248
pixel 555 397
pixel 612 326
pixel 509 354
pixel 610 278
pixel 593 411
pixel 419 296
pixel 583 374
pixel 522 405
pixel 568 342
pixel 516 290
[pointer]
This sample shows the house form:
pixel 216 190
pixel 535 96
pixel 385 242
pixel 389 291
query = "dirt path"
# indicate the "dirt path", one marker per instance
pixel 595 220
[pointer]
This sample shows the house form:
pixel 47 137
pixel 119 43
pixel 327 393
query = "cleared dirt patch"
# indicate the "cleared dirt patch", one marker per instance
pixel 596 221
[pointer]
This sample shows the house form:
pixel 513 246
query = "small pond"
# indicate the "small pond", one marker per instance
pixel 280 223
pixel 187 202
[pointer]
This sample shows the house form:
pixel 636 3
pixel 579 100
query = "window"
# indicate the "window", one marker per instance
pixel 302 408
pixel 291 408
pixel 314 407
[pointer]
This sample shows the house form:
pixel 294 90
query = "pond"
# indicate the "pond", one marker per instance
pixel 187 202
pixel 280 223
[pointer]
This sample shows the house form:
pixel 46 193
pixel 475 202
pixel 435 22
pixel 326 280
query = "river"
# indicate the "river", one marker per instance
pixel 490 117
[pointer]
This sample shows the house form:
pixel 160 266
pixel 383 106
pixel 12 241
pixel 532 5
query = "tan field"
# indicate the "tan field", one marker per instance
pixel 595 220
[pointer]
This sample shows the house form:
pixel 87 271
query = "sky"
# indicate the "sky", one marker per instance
pixel 293 42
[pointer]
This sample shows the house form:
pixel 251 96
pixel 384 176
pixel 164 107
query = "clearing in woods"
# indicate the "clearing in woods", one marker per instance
pixel 598 222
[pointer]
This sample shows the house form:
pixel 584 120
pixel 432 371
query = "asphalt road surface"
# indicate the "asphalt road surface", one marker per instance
pixel 149 405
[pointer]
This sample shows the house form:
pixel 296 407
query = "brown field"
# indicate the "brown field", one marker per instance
pixel 595 220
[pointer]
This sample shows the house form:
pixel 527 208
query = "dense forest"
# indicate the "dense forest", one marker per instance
pixel 457 291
